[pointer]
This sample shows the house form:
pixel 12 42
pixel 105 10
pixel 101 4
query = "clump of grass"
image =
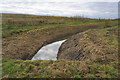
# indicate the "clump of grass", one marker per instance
pixel 58 69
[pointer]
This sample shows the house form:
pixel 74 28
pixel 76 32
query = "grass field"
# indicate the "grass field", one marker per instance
pixel 18 23
pixel 47 26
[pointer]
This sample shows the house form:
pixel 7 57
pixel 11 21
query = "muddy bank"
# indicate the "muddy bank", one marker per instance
pixel 26 45
pixel 93 45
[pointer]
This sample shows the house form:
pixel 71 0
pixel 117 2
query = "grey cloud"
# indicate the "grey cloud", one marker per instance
pixel 93 9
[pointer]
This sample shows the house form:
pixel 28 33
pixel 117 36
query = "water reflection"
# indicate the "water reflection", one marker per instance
pixel 48 52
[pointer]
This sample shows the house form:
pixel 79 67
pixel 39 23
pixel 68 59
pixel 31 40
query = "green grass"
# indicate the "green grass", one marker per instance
pixel 18 23
pixel 57 69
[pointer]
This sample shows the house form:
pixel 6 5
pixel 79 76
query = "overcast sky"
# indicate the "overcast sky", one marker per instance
pixel 87 8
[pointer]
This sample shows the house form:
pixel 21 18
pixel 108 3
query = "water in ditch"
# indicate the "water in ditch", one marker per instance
pixel 48 52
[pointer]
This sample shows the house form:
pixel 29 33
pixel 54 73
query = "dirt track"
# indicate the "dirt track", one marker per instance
pixel 25 46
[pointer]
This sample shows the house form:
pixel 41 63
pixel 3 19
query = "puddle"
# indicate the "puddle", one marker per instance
pixel 48 52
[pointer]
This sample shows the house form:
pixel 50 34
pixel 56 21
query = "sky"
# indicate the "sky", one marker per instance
pixel 86 8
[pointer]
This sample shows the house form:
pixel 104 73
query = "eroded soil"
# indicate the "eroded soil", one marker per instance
pixel 99 45
pixel 24 46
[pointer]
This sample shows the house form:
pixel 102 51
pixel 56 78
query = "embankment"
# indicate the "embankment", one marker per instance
pixel 26 45
pixel 89 54
pixel 92 45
